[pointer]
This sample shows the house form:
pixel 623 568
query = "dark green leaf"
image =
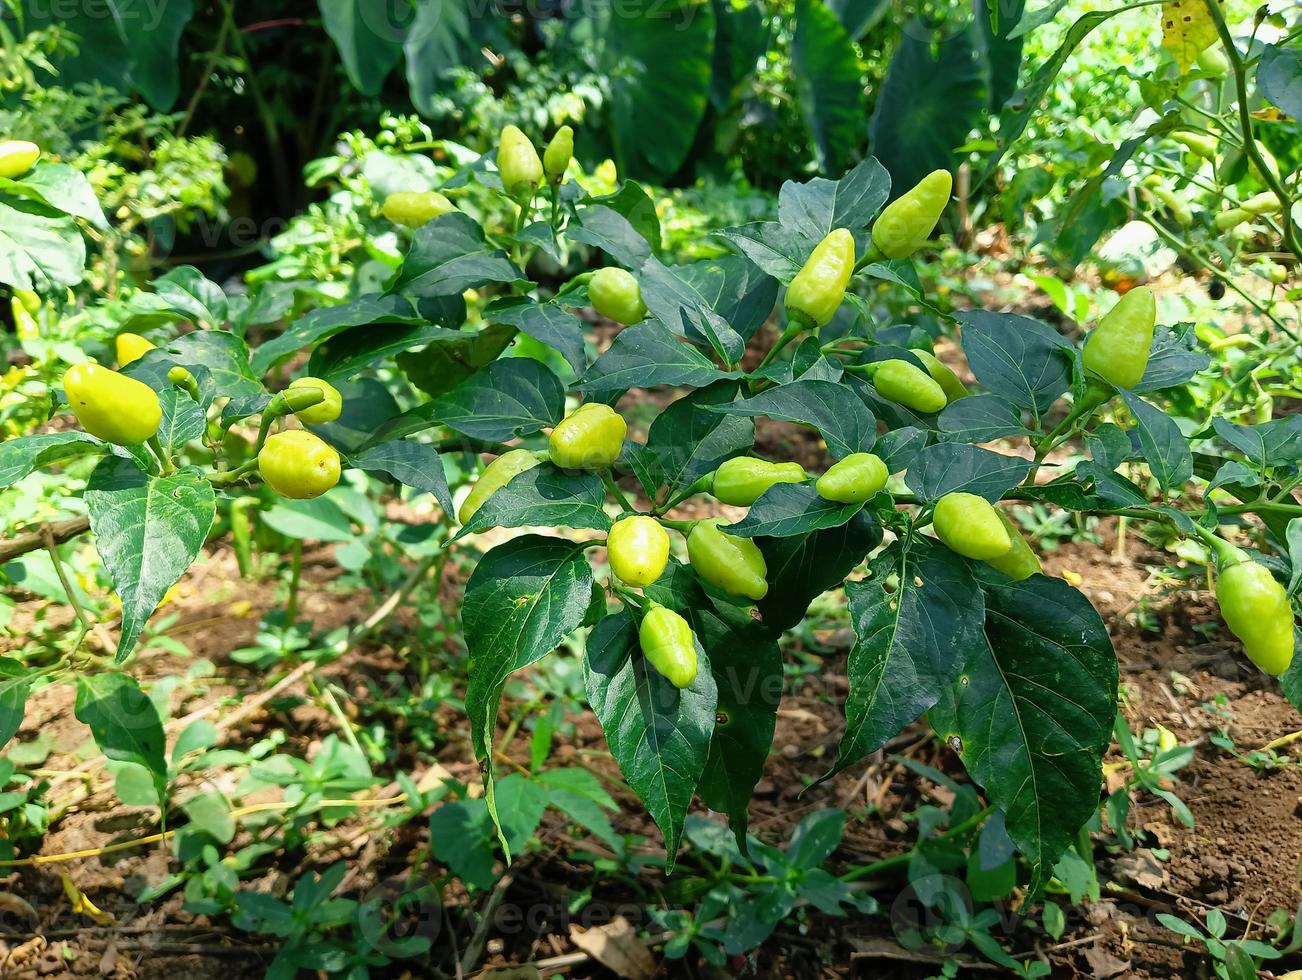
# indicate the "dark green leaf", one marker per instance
pixel 689 440
pixel 322 324
pixel 1269 444
pixel 523 598
pixel 951 467
pixel 123 720
pixel 148 529
pixel 790 509
pixel 658 55
pixel 1032 714
pixel 912 640
pixel 448 256
pixel 1165 448
pixel 413 464
pixel 1279 76
pixel 544 496
pixel 981 418
pixel 660 736
pixel 509 398
pixel 1016 357
pixel 15 685
pixel 647 356
pixel 932 97
pixel 834 410
pixel 368 35
pixel 829 84
pixel 800 569
pixel 1173 360
pixel 544 322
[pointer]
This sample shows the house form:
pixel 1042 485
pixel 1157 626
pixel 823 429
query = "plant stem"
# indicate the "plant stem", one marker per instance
pixel 613 489
pixel 1245 122
pixel 877 867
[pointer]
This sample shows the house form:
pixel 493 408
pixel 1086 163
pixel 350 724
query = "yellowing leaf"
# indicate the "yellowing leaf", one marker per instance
pixel 1187 28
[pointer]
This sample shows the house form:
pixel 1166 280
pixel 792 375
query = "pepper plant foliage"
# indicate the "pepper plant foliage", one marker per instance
pixel 1019 677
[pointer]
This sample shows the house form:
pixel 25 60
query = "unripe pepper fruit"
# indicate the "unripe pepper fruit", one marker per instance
pixel 1117 349
pixel 556 158
pixel 112 406
pixel 669 645
pixel 415 208
pixel 910 386
pixel 971 526
pixel 638 550
pixel 1199 144
pixel 727 561
pixel 742 480
pixel 615 294
pixel 17 157
pixel 853 480
pixel 496 475
pixel 1214 61
pixel 130 347
pixel 908 221
pixel 1264 203
pixel 815 294
pixel 1231 219
pixel 298 464
pixel 1256 608
pixel 518 163
pixel 949 382
pixel 327 409
pixel 1020 561
pixel 589 438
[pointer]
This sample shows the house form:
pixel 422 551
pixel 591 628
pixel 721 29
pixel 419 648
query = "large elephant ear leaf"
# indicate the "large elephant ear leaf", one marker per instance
pixel 928 104
pixel 660 59
pixel 1031 715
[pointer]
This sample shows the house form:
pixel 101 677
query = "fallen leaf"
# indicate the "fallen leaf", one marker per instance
pixel 617 947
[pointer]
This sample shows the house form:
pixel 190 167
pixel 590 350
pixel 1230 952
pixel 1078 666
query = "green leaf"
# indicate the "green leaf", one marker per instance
pixel 790 509
pixel 1165 448
pixel 928 104
pixel 544 496
pixel 800 569
pixel 15 685
pixel 318 519
pixel 1016 357
pixel 523 598
pixel 148 529
pixel 840 417
pixel 647 356
pixel 454 356
pixel 949 467
pixel 438 40
pixel 509 398
pixel 413 464
pixel 209 812
pixel 1274 443
pixel 689 440
pixel 322 324
pixel 461 836
pixel 1279 76
pixel 352 352
pixel 617 233
pixel 858 16
pixel 660 736
pixel 546 323
pixel 188 292
pixel 673 300
pixel 735 288
pixel 1173 360
pixel 816 837
pixel 61 187
pixel 829 84
pixel 18 457
pixel 981 418
pixel 368 35
pixel 218 359
pixel 40 248
pixel 747 668
pixel 658 56
pixel 153 41
pixel 123 720
pixel 183 421
pixel 1032 713
pixel 911 641
pixel 448 255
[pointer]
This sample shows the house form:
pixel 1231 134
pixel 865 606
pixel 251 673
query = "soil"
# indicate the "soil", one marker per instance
pixel 1241 855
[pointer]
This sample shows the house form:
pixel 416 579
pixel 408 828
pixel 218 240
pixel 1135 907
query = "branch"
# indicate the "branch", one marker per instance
pixel 60 531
